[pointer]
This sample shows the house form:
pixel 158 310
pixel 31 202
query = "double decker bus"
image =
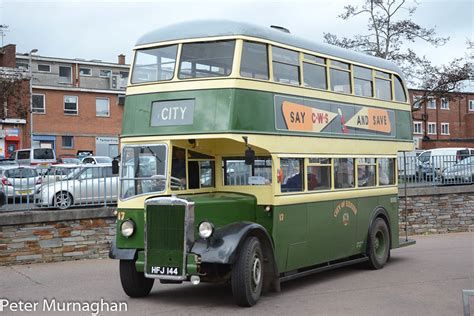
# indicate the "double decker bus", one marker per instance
pixel 251 156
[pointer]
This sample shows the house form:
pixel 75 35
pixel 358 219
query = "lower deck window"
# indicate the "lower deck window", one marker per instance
pixel 236 172
pixel 343 173
pixel 293 177
pixel 386 171
pixel 319 174
pixel 366 172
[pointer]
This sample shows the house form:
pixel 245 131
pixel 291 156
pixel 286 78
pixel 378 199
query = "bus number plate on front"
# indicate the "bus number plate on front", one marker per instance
pixel 164 270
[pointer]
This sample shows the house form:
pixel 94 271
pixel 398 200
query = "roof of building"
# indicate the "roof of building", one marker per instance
pixel 94 62
pixel 216 28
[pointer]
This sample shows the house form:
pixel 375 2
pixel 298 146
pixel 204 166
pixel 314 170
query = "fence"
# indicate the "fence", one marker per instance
pixel 62 186
pixel 59 186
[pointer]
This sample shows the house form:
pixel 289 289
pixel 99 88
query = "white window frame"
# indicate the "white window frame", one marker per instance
pixel 59 74
pixel 44 103
pixel 431 101
pixel 108 107
pixel 471 105
pixel 431 124
pixel 72 142
pixel 77 105
pixel 46 71
pixel 110 73
pixel 442 128
pixel 85 75
pixel 415 123
pixel 444 101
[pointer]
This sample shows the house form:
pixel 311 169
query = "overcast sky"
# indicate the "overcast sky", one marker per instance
pixel 103 29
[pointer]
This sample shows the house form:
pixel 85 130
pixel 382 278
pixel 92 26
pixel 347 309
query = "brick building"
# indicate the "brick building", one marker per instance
pixel 14 103
pixel 444 122
pixel 77 104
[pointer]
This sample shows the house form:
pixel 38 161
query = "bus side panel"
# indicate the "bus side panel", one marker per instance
pixel 365 210
pixel 390 202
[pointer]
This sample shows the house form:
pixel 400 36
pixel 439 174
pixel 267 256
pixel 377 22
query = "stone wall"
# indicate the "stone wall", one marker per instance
pixel 437 209
pixel 46 236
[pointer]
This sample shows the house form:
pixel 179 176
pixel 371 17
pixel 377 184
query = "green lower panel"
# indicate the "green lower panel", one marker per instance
pixel 164 249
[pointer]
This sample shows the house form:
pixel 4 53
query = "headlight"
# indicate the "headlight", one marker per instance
pixel 127 228
pixel 206 229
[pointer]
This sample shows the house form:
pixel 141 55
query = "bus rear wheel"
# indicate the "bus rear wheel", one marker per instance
pixel 134 283
pixel 247 273
pixel 378 244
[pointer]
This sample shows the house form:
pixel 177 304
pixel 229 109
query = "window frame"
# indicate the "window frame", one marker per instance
pixel 267 46
pixel 63 137
pixel 85 68
pixel 308 164
pixel 420 123
pixel 77 105
pixel 444 101
pixel 379 75
pixel 337 68
pixel 446 125
pixel 44 71
pixel 298 65
pixel 471 105
pixel 70 77
pixel 108 106
pixel 369 164
pixel 44 103
pixel 429 101
pixel 225 159
pixel 430 124
pixel 324 65
pixel 102 76
pixel 372 84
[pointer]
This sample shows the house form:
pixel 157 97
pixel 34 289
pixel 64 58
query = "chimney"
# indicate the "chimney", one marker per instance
pixel 121 59
pixel 8 56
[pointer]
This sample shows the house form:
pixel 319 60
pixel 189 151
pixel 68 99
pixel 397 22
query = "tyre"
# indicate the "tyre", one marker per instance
pixel 134 283
pixel 247 273
pixel 63 200
pixel 378 244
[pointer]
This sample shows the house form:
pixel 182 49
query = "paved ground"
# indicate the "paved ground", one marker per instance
pixel 425 279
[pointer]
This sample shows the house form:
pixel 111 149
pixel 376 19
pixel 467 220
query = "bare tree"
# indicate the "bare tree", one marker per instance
pixel 387 37
pixel 13 93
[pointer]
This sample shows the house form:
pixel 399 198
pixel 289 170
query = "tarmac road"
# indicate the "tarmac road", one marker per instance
pixel 425 279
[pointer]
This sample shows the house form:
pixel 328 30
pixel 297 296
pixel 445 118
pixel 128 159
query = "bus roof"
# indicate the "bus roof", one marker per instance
pixel 216 28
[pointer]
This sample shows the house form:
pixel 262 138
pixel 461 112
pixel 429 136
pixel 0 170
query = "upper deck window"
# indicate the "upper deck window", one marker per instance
pixel 285 66
pixel 399 90
pixel 314 72
pixel 383 85
pixel 362 81
pixel 340 77
pixel 208 59
pixel 154 64
pixel 254 62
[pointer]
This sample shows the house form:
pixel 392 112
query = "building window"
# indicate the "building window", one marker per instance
pixel 444 128
pixel 416 102
pixel 38 103
pixel 431 103
pixel 102 107
pixel 65 74
pixel 417 128
pixel 340 77
pixel 67 141
pixel 124 74
pixel 285 66
pixel 432 128
pixel 85 71
pixel 444 104
pixel 254 62
pixel 471 105
pixel 23 66
pixel 105 73
pixel 70 105
pixel 44 68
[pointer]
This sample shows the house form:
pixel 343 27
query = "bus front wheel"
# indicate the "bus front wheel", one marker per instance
pixel 247 273
pixel 134 283
pixel 379 244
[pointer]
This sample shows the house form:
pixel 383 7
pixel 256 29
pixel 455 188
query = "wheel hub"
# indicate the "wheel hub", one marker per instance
pixel 256 271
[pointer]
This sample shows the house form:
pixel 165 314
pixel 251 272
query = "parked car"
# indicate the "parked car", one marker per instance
pixel 19 181
pixel 35 156
pixel 5 162
pixel 97 159
pixel 407 168
pixel 58 172
pixel 462 172
pixel 69 160
pixel 430 163
pixel 88 184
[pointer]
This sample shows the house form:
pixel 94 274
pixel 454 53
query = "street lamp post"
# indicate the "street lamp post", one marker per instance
pixel 30 68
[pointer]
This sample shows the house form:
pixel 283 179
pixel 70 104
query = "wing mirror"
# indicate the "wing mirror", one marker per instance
pixel 249 153
pixel 115 166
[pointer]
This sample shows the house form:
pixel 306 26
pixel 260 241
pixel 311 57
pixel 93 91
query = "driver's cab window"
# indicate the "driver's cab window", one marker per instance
pixel 191 170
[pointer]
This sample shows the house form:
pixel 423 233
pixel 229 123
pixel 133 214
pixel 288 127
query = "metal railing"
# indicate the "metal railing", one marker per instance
pixel 27 188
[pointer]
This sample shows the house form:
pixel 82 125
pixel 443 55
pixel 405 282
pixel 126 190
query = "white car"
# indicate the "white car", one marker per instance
pixel 86 185
pixel 96 159
pixel 462 172
pixel 58 172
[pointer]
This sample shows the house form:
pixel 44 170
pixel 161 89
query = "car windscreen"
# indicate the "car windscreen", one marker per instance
pixel 21 173
pixel 43 153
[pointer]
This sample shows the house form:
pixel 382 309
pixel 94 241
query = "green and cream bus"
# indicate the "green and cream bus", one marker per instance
pixel 253 157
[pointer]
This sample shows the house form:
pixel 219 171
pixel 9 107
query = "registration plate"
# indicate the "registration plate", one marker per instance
pixel 164 270
pixel 23 192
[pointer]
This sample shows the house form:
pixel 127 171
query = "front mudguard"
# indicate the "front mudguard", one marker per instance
pixel 223 248
pixel 122 254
